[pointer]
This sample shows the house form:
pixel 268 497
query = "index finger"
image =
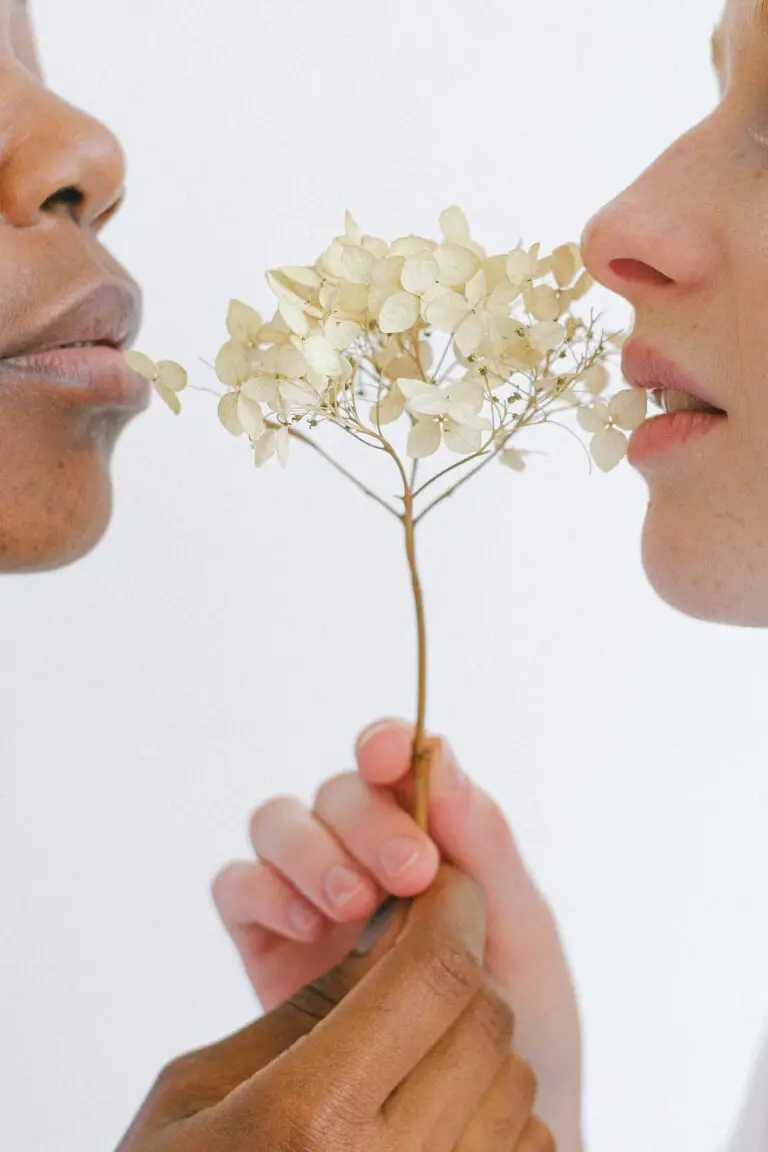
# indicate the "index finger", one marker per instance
pixel 387 1023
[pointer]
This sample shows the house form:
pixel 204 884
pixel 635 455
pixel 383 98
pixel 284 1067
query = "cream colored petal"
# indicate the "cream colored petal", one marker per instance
pixel 594 380
pixel 454 225
pixel 390 408
pixel 566 261
pixel 243 322
pixel 170 398
pixel 445 310
pixel 262 390
pixel 294 316
pixel 376 246
pixel 141 364
pixel 419 272
pixel 234 364
pixel 171 375
pixel 542 302
pixel 461 439
pixel 290 361
pixel 594 417
pixel 424 439
pixel 470 334
pixel 320 355
pixel 470 391
pixel 387 273
pixel 351 301
pixel 476 288
pixel 581 287
pixel 410 245
pixel 518 266
pixel 357 265
pixel 608 449
pixel 250 416
pixel 629 408
pixel 306 277
pixel 433 403
pixel 457 265
pixel 341 333
pixel 399 312
pixel 264 448
pixel 228 414
pixel 282 446
pixel 546 336
pixel 352 228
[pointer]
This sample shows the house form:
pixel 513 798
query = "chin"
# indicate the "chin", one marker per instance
pixel 707 566
pixel 55 496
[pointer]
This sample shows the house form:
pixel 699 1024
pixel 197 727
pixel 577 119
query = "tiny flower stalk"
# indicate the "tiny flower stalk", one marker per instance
pixel 434 353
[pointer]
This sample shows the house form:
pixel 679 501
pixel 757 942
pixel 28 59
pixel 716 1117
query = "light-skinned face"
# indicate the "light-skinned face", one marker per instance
pixel 687 245
pixel 61 407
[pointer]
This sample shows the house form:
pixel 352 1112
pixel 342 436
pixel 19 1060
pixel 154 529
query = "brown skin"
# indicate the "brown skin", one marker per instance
pixel 687 245
pixel 403 1050
pixel 418 1054
pixel 61 179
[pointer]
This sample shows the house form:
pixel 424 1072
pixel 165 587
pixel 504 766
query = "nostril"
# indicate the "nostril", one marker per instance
pixel 636 272
pixel 69 198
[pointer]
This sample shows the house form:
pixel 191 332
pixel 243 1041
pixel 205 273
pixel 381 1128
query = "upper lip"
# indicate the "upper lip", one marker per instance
pixel 106 312
pixel 644 367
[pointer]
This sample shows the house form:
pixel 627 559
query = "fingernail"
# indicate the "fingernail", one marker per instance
pixel 341 885
pixel 376 927
pixel 381 726
pixel 305 920
pixel 447 776
pixel 398 854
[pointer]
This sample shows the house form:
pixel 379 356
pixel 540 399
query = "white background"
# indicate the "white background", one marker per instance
pixel 196 663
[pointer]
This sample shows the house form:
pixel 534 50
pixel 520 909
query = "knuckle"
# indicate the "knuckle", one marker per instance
pixel 496 1020
pixel 522 1079
pixel 450 969
pixel 301 1123
pixel 537 1137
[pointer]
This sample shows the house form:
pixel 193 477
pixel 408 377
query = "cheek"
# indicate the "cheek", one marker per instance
pixel 55 491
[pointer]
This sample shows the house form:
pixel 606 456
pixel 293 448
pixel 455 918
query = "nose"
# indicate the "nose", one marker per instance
pixel 652 239
pixel 54 158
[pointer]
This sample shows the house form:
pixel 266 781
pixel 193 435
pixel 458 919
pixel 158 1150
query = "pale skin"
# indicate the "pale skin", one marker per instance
pixel 687 246
pixel 405 1048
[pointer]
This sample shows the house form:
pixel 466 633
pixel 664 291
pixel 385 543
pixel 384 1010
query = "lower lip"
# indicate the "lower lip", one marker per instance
pixel 670 430
pixel 93 376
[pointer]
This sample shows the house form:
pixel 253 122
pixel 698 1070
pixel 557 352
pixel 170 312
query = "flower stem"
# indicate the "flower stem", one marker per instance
pixel 421 755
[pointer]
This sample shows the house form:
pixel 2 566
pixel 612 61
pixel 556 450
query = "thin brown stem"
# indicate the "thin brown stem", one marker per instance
pixel 295 434
pixel 421 755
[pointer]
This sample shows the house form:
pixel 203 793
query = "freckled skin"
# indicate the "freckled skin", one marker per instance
pixel 687 245
pixel 55 492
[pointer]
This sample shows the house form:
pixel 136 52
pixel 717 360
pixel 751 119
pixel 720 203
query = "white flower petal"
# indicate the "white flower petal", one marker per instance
pixel 357 265
pixel 469 391
pixel 290 362
pixel 250 416
pixel 234 363
pixel 542 302
pixel 629 408
pixel 419 272
pixel 594 417
pixel 341 333
pixel 469 334
pixel 546 336
pixel 228 414
pixel 454 225
pixel 306 277
pixel 461 439
pixel 424 439
pixel 595 379
pixel 457 264
pixel 320 354
pixel 171 375
pixel 141 364
pixel 446 310
pixel 608 449
pixel 513 458
pixel 519 266
pixel 412 388
pixel 170 398
pixel 399 312
pixel 264 448
pixel 389 409
pixel 282 446
pixel 243 322
pixel 294 316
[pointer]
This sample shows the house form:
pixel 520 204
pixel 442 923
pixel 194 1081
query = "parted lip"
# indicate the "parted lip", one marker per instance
pixel 644 367
pixel 107 312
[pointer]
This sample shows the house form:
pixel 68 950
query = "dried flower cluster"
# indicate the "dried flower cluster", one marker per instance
pixel 420 349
